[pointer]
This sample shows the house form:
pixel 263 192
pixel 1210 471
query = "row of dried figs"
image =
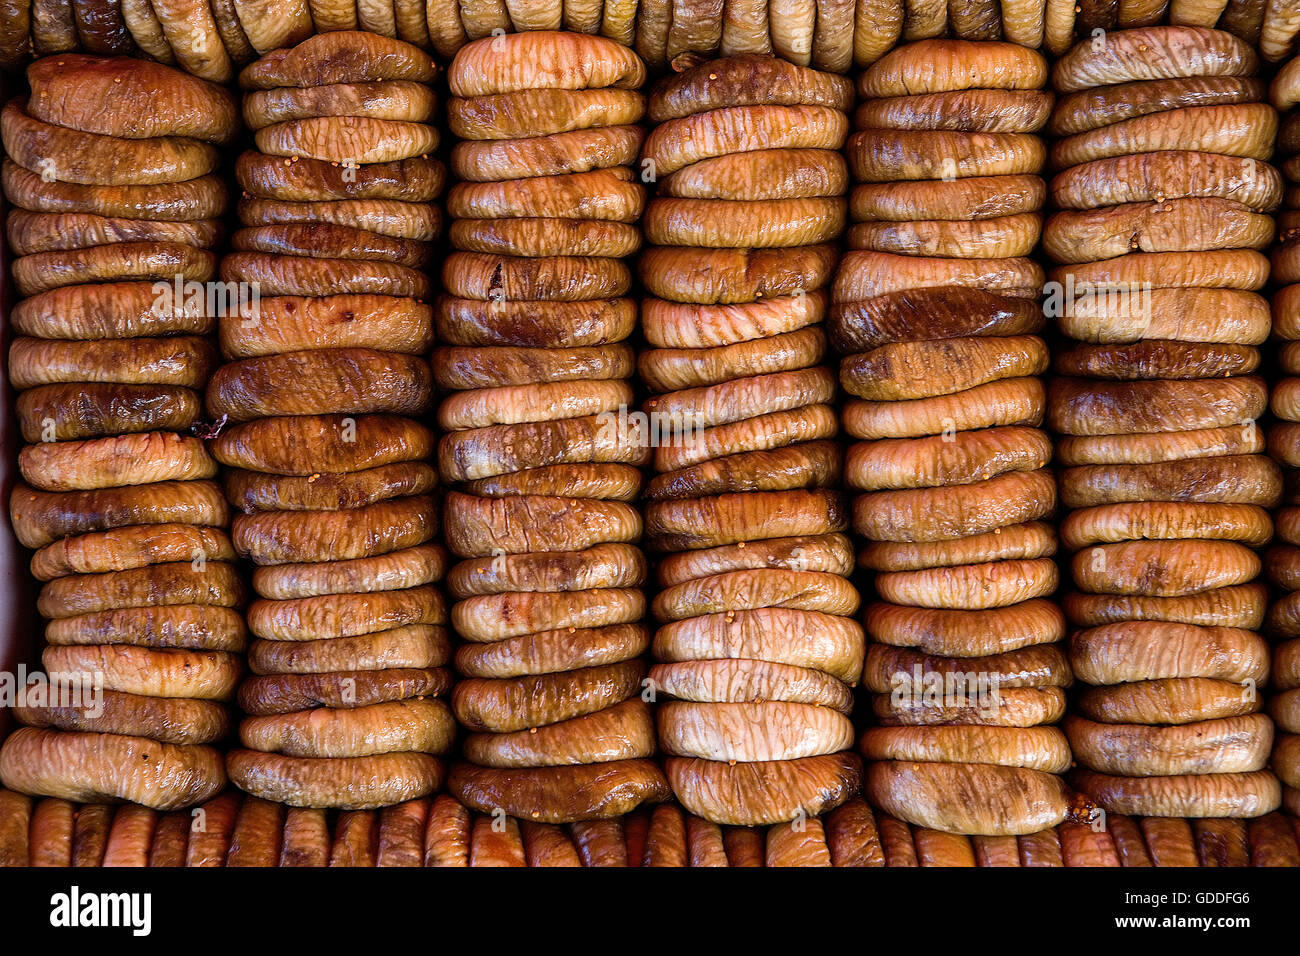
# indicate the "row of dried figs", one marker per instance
pixel 239 831
pixel 757 646
pixel 109 169
pixel 1165 190
pixel 936 312
pixel 320 406
pixel 550 589
pixel 1282 561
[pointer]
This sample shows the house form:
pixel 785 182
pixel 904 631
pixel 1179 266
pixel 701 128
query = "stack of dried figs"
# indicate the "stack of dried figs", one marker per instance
pixel 1282 562
pixel 936 311
pixel 539 441
pixel 110 169
pixel 1164 188
pixel 326 458
pixel 757 644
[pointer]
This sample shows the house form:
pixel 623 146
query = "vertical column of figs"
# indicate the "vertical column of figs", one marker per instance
pixel 549 594
pixel 757 647
pixel 1282 562
pixel 321 401
pixel 1162 190
pixel 109 171
pixel 936 313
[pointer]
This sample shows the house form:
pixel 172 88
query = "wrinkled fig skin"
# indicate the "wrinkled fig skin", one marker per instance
pixel 308 445
pixel 543 60
pixel 399 100
pixel 129 98
pixel 974 197
pixel 953 311
pixel 1172 173
pixel 597 791
pixel 295 323
pixel 1160 358
pixel 97 410
pixel 542 112
pixel 36 232
pixel 183 361
pixel 392 218
pixel 1153 53
pixel 614 482
pixel 414 180
pixel 127 548
pixel 1249 794
pixel 811 464
pixel 98 767
pixel 1101 106
pixel 974 111
pixel 41 518
pixel 345 783
pixel 301 275
pixel 765 793
pixel 95 160
pixel 348 139
pixel 749 732
pixel 746 80
pixel 398 570
pixel 330 241
pixel 342 57
pixel 286 693
pixel 1167 487
pixel 679 143
pixel 1246 129
pixel 726 276
pixel 110 310
pixel 198 626
pixel 601 194
pixel 152 585
pixel 1283 621
pixel 601 566
pixel 174 721
pixel 348 381
pixel 761 174
pixel 624 731
pixel 560 325
pixel 576 151
pixel 937 66
pixel 508 705
pixel 1180 225
pixel 982 799
pixel 153 262
pixel 1234 745
pixel 551 652
pixel 1033 748
pixel 409 646
pixel 412 726
pixel 251 491
pixel 285 537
